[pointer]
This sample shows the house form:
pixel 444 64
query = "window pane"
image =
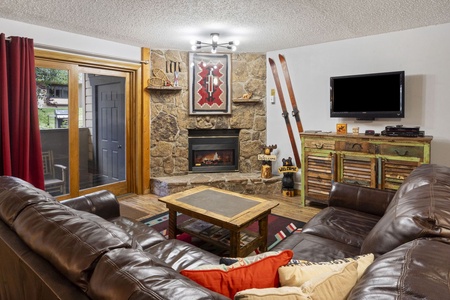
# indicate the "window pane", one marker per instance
pixel 102 130
pixel 52 96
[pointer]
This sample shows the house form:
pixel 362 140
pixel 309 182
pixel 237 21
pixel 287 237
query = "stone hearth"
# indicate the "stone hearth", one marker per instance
pixel 246 183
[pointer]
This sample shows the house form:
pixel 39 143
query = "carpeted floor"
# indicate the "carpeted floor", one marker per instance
pixel 279 228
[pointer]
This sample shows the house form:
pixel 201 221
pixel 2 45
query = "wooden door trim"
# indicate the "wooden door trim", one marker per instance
pixel 138 163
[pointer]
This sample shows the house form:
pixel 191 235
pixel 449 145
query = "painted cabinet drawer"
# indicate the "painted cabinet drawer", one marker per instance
pixel 401 150
pixel 320 144
pixel 353 146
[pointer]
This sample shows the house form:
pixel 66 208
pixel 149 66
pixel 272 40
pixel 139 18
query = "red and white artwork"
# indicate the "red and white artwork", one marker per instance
pixel 209 84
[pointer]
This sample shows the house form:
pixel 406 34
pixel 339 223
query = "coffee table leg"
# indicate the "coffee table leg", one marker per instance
pixel 263 232
pixel 172 224
pixel 235 244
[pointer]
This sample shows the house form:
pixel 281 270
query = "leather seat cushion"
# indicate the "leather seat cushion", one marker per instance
pixel 315 248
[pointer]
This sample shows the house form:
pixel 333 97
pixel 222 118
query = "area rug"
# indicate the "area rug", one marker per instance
pixel 279 229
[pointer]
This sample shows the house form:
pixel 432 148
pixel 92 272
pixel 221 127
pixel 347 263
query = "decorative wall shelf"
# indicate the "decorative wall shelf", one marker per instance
pixel 247 101
pixel 165 88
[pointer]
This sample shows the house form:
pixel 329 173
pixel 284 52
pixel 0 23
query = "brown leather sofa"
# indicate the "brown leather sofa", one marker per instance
pixel 408 232
pixel 83 249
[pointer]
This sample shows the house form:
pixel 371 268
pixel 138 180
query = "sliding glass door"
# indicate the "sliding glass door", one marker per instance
pixel 102 140
pixel 83 120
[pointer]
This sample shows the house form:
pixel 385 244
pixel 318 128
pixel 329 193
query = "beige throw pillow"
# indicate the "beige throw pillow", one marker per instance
pixel 282 293
pixel 298 274
pixel 334 285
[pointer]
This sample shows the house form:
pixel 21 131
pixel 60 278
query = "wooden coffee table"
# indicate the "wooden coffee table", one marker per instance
pixel 221 217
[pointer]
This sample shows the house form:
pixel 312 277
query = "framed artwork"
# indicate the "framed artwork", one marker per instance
pixel 341 128
pixel 209 84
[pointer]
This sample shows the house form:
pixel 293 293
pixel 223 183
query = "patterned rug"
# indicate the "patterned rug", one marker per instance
pixel 279 229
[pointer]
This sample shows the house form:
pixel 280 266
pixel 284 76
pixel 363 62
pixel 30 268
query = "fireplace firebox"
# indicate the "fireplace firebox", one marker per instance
pixel 213 150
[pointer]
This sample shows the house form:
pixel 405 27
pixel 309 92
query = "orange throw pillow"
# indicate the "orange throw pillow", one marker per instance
pixel 260 274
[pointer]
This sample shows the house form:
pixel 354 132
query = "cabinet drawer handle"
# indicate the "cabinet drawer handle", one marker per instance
pixel 319 146
pixel 398 153
pixel 356 144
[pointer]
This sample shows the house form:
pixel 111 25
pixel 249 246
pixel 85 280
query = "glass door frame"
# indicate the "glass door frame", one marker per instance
pixel 137 173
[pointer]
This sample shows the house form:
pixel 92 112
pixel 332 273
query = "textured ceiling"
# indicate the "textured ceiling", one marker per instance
pixel 261 26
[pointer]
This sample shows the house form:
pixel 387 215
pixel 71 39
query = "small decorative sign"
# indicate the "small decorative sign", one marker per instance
pixel 267 157
pixel 341 128
pixel 288 169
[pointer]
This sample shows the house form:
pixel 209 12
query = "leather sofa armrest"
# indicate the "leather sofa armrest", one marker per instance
pixel 102 203
pixel 364 199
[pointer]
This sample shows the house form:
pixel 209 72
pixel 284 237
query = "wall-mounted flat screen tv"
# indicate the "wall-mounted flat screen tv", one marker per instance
pixel 368 96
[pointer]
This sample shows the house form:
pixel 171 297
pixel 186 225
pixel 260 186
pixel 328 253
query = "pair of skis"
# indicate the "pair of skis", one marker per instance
pixel 295 111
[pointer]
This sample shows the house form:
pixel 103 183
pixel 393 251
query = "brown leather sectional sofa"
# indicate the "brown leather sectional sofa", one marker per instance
pixel 408 232
pixel 83 249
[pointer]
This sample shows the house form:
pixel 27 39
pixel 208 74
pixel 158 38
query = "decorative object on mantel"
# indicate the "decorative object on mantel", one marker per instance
pixel 247 96
pixel 197 45
pixel 287 182
pixel 267 159
pixel 160 78
pixel 160 81
pixel 209 82
pixel 341 128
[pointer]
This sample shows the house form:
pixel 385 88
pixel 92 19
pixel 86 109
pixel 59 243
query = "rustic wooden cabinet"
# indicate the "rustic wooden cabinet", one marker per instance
pixel 374 161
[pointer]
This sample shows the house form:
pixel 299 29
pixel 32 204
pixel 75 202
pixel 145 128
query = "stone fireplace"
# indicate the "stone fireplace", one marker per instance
pixel 213 150
pixel 234 167
pixel 171 123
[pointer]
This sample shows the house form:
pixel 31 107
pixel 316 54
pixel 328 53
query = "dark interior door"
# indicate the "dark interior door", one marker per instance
pixel 109 124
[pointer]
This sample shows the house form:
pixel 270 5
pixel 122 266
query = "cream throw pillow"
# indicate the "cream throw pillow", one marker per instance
pixel 334 285
pixel 298 274
pixel 282 293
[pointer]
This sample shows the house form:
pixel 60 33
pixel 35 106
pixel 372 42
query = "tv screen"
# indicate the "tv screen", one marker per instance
pixel 368 96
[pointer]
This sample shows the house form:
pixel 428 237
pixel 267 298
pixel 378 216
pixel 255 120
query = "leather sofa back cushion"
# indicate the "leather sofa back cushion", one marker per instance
pixel 419 269
pixel 70 240
pixel 134 274
pixel 16 194
pixel 421 212
pixel 423 175
pixel 362 199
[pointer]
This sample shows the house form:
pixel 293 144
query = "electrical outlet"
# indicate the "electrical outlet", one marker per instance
pixel 272 96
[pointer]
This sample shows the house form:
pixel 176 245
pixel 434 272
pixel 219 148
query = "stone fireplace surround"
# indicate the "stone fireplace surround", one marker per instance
pixel 171 122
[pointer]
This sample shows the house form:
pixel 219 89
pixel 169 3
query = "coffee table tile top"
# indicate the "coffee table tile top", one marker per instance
pixel 242 218
pixel 227 205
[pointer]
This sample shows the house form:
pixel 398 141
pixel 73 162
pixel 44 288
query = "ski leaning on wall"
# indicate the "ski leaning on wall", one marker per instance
pixel 285 113
pixel 287 77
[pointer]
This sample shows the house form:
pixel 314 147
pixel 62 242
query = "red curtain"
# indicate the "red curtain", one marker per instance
pixel 20 139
